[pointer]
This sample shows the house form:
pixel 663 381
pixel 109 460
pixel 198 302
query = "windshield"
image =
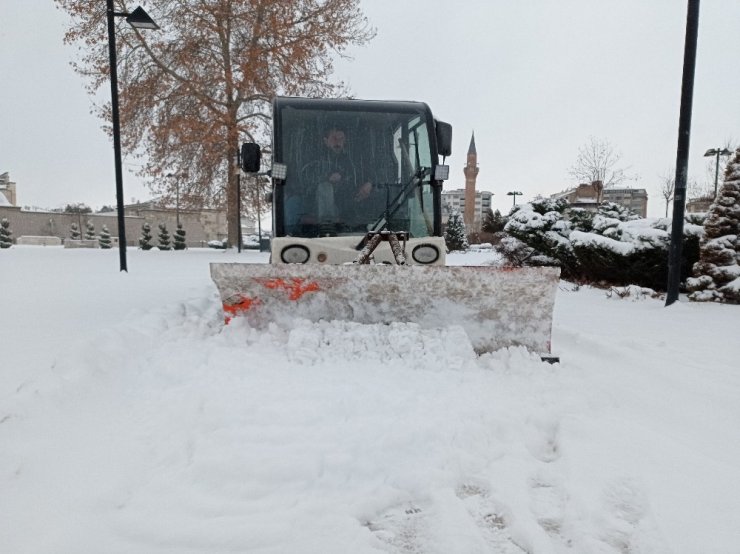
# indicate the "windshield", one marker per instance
pixel 350 172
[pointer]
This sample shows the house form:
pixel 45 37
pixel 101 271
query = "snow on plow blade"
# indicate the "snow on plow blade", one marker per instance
pixel 496 307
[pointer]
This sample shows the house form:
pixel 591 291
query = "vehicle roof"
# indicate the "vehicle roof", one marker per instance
pixel 349 104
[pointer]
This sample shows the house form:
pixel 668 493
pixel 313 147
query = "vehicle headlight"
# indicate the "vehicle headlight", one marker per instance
pixel 425 254
pixel 295 254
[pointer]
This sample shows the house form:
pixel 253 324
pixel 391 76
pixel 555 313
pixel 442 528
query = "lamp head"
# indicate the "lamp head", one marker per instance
pixel 717 152
pixel 139 19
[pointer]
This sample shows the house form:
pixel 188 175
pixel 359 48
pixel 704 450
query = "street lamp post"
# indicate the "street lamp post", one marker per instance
pixel 138 19
pixel 176 177
pixel 682 151
pixel 716 152
pixel 514 193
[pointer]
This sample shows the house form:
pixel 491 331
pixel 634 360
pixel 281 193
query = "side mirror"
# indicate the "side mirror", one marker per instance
pixel 444 138
pixel 250 157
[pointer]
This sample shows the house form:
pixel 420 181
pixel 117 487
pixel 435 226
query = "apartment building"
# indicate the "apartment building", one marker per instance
pixel 454 201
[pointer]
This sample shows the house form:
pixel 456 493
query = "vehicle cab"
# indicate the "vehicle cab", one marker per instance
pixel 344 168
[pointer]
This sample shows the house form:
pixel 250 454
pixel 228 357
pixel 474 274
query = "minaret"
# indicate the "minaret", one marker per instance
pixel 471 173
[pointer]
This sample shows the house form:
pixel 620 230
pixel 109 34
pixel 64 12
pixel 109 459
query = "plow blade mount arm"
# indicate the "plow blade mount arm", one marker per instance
pixel 497 307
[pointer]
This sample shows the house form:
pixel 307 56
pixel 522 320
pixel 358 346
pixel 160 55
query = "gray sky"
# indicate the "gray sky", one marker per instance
pixel 533 79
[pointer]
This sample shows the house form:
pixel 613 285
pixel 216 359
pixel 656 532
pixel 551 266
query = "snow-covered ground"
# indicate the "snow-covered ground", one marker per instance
pixel 133 421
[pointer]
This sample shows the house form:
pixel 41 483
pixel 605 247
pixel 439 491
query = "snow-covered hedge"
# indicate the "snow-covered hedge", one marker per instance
pixel 612 245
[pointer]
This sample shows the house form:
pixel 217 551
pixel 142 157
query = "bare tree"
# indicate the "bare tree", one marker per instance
pixel 700 189
pixel 597 161
pixel 667 188
pixel 191 92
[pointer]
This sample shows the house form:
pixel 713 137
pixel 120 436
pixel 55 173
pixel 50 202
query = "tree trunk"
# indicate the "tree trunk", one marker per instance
pixel 233 218
pixel 232 208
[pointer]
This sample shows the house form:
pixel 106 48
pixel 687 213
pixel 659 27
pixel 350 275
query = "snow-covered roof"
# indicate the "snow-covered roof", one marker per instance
pixel 3 200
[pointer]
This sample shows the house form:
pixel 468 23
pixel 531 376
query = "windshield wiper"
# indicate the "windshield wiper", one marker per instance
pixel 381 223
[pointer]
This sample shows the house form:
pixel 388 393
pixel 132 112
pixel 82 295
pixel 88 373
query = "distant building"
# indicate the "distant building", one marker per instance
pixel 583 196
pixel 7 190
pixel 589 197
pixel 699 205
pixel 634 199
pixel 456 201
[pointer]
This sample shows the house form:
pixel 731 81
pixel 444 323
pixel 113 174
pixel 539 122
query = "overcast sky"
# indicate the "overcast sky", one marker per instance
pixel 533 79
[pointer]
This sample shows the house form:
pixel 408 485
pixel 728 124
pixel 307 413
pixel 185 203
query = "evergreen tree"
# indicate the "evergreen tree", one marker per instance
pixel 164 238
pixel 493 222
pixel 74 232
pixel 89 230
pixel 455 237
pixel 145 242
pixel 5 234
pixel 717 273
pixel 180 238
pixel 486 225
pixel 104 239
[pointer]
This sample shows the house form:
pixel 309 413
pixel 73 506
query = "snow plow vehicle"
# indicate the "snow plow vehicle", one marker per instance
pixel 357 231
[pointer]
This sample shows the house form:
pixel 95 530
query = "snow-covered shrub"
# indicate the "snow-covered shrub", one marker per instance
pixel 164 238
pixel 90 230
pixel 104 239
pixel 6 234
pixel 581 220
pixel 218 244
pixel 145 241
pixel 542 226
pixel 455 237
pixel 717 273
pixel 611 245
pixel 74 232
pixel 696 218
pixel 633 292
pixel 517 254
pixel 617 211
pixel 180 238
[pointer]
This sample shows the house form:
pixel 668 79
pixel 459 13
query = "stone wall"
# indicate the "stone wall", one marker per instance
pixel 54 224
pixel 200 226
